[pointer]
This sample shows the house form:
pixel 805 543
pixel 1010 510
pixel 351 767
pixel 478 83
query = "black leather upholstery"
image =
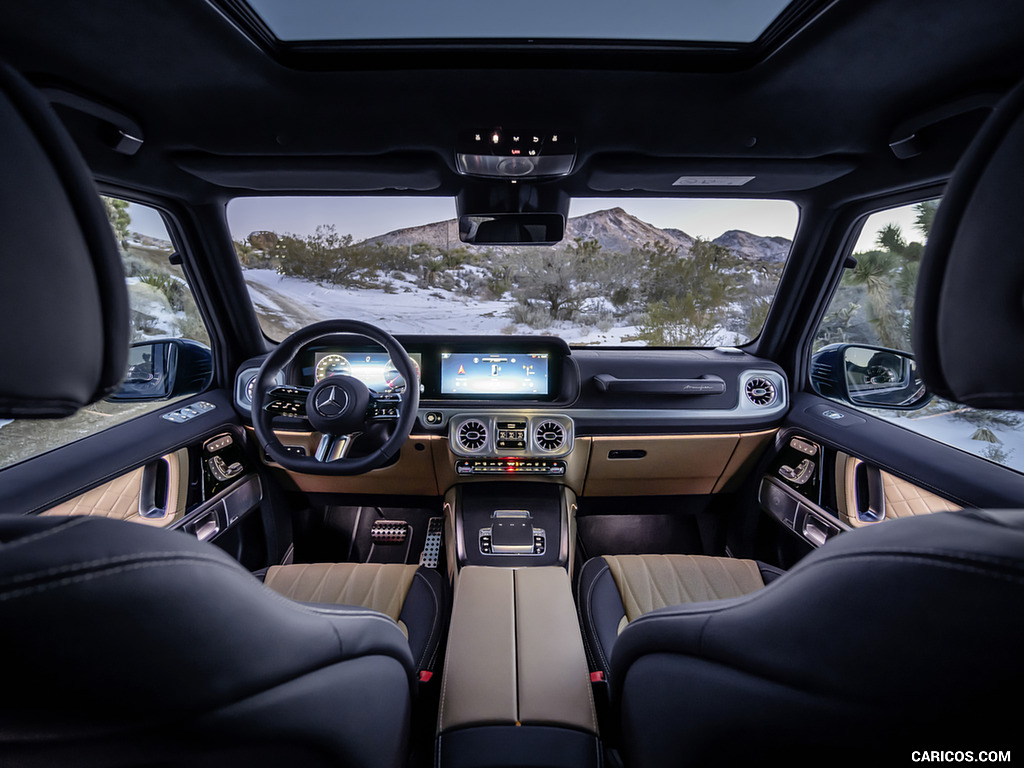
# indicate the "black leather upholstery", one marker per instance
pixel 63 286
pixel 971 284
pixel 118 634
pixel 426 613
pixel 124 644
pixel 887 639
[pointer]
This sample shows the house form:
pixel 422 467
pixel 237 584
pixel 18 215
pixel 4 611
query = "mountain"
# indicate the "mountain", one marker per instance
pixel 615 229
pixel 440 234
pixel 774 249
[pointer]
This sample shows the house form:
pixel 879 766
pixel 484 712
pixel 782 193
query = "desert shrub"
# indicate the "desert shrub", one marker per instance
pixel 533 315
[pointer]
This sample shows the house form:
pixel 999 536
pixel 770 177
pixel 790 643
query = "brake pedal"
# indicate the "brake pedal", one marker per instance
pixel 390 541
pixel 432 544
pixel 389 532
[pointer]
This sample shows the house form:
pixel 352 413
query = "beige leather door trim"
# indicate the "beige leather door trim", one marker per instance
pixel 132 496
pixel 896 497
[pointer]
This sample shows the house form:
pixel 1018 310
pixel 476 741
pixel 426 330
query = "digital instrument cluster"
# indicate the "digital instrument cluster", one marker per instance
pixel 374 369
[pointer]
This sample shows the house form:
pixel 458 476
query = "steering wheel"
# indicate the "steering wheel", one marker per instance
pixel 339 407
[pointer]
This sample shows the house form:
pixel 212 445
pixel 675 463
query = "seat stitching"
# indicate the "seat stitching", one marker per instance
pixel 434 624
pixel 85 565
pixel 316 593
pixel 590 616
pixel 24 591
pixel 43 534
pixel 731 603
pixel 580 603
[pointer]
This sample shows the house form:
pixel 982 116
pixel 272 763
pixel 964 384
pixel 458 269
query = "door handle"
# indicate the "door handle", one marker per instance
pixel 155 489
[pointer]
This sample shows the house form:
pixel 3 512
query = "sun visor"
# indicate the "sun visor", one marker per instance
pixel 675 175
pixel 406 171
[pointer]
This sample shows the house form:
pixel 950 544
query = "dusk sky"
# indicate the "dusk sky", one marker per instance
pixel 364 217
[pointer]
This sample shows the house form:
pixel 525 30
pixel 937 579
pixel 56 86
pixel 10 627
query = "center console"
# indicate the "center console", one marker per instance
pixel 516 687
pixel 510 524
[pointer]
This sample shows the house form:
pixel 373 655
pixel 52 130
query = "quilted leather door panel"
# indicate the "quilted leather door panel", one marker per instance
pixel 155 494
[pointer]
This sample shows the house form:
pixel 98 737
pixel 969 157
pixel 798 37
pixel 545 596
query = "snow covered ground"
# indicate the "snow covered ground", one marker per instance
pixel 286 304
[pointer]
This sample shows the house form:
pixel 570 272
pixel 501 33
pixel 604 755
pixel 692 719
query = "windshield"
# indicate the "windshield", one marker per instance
pixel 630 272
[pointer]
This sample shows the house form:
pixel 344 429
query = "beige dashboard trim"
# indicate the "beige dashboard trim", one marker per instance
pixel 672 464
pixel 413 473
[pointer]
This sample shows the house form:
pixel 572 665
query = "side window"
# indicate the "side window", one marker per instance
pixel 874 305
pixel 161 306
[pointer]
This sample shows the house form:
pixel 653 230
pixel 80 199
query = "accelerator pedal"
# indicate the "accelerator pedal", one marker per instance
pixel 432 545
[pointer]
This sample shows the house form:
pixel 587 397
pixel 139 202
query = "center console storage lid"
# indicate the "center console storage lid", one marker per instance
pixel 515 654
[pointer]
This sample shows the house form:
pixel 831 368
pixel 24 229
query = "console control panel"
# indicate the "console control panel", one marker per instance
pixel 510 466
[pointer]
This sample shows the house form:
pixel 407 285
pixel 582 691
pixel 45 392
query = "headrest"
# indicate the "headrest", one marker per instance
pixel 969 309
pixel 63 303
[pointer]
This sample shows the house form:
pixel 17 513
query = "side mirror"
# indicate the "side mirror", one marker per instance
pixel 165 369
pixel 870 377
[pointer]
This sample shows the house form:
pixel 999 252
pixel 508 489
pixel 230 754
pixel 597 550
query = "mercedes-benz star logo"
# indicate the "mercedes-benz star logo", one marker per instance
pixel 331 401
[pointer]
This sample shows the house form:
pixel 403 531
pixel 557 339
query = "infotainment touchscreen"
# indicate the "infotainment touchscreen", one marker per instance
pixel 499 373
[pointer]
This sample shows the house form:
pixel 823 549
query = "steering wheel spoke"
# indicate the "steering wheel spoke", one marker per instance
pixel 287 401
pixel 334 447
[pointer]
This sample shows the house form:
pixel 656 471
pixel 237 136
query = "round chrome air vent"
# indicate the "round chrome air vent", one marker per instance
pixel 472 435
pixel 549 436
pixel 760 391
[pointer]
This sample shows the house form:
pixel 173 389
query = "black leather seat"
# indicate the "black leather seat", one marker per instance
pixel 127 645
pixel 887 639
pixel 417 598
pixel 617 590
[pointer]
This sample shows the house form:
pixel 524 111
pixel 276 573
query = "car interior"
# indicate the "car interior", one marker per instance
pixel 544 477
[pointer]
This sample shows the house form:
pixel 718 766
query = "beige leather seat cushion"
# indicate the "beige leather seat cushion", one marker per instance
pixel 380 587
pixel 649 582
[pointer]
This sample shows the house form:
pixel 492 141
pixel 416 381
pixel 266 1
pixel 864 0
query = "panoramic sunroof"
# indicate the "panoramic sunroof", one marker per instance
pixel 724 21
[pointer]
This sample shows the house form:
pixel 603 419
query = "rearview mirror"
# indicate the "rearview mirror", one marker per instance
pixel 871 377
pixel 512 228
pixel 164 369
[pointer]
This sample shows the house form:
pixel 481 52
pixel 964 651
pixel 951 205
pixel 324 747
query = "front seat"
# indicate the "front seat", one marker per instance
pixel 123 644
pixel 887 641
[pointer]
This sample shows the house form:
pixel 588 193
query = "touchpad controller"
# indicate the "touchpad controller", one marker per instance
pixel 512 533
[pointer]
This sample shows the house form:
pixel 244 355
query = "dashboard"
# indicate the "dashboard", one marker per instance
pixel 605 422
pixel 522 379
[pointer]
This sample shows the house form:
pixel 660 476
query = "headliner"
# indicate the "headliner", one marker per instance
pixel 222 113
